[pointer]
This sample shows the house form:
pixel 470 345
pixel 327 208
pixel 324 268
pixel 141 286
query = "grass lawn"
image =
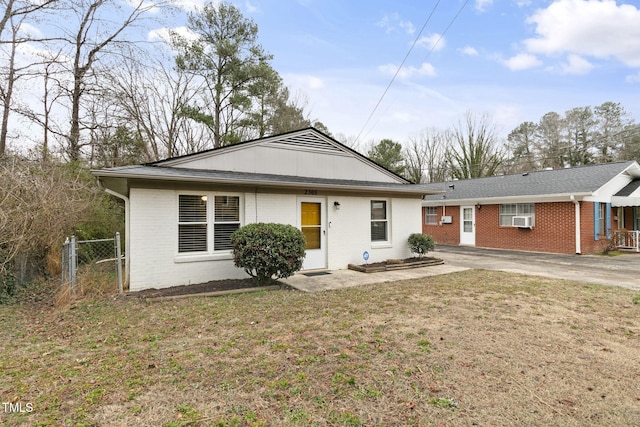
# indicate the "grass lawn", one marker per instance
pixel 471 348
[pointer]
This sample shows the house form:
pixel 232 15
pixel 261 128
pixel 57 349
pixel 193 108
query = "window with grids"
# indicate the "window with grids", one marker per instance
pixel 431 215
pixel 192 223
pixel 198 214
pixel 508 211
pixel 226 220
pixel 379 221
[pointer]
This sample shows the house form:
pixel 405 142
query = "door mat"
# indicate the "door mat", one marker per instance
pixel 316 273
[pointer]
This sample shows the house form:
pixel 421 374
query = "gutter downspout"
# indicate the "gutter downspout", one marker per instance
pixel 576 203
pixel 127 227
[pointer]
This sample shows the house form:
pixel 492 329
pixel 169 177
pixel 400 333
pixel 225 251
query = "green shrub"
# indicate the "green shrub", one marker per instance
pixel 7 288
pixel 421 243
pixel 267 251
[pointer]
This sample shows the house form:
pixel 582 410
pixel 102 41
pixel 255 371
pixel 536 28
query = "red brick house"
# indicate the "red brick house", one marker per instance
pixel 574 210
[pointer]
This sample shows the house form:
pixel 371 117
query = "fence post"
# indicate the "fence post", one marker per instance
pixel 119 261
pixel 73 264
pixel 65 261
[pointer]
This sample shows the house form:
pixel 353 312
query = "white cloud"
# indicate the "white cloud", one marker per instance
pixel 599 29
pixel 522 61
pixel 304 81
pixel 407 26
pixel 425 69
pixel 164 34
pixel 481 5
pixel 191 5
pixel 28 30
pixel 633 78
pixel 433 41
pixel 468 50
pixel 393 22
pixel 250 8
pixel 576 65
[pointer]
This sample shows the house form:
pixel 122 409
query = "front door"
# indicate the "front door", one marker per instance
pixel 311 220
pixel 467 225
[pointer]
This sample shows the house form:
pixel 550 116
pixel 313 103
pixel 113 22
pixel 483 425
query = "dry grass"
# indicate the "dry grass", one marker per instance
pixel 93 281
pixel 471 348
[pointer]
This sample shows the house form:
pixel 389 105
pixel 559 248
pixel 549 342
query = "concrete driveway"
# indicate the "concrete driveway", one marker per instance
pixel 623 270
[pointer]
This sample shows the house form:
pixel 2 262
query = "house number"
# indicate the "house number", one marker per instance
pixel 311 192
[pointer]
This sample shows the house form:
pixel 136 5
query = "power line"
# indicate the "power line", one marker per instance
pixel 415 41
pixel 375 108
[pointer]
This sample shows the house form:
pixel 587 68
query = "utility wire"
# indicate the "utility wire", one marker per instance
pixel 407 56
pixel 415 41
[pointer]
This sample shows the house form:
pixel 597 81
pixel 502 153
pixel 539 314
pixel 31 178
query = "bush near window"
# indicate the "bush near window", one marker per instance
pixel 268 251
pixel 421 243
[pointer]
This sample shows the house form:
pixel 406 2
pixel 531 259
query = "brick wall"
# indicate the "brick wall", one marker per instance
pixel 554 229
pixel 448 234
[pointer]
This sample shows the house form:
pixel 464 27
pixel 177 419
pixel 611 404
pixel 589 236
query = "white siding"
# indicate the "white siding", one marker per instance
pixel 154 246
pixel 155 262
pixel 290 161
pixel 349 232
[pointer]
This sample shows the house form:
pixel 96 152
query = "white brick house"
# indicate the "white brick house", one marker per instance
pixel 181 211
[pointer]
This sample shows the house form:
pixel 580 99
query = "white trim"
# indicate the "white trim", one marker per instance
pixel 197 257
pixel 470 237
pixel 316 260
pixel 381 243
pixel 211 254
pixel 534 198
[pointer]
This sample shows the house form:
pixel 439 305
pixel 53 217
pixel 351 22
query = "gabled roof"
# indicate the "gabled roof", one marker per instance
pixel 308 139
pixel 583 181
pixel 304 158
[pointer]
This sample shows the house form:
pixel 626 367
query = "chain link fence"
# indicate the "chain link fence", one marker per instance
pixel 100 256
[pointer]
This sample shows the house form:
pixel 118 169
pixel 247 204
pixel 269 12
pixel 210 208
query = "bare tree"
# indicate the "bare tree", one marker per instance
pixel 16 13
pixel 473 150
pixel 425 156
pixel 97 30
pixel 151 100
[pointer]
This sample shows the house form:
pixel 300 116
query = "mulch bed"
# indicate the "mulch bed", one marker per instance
pixel 199 288
pixel 396 264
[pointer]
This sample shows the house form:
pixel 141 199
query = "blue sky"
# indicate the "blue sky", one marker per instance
pixel 514 60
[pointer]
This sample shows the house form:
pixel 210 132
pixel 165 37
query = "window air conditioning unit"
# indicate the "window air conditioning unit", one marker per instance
pixel 521 222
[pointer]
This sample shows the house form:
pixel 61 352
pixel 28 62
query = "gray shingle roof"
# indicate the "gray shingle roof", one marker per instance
pixel 575 180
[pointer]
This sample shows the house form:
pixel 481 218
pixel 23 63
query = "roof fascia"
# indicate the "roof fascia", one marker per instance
pixel 547 198
pixel 400 189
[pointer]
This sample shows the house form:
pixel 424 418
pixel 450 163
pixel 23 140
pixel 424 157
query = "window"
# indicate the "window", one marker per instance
pixel 195 222
pixel 508 211
pixel 601 218
pixel 226 220
pixel 431 215
pixel 379 221
pixel 621 224
pixel 192 223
